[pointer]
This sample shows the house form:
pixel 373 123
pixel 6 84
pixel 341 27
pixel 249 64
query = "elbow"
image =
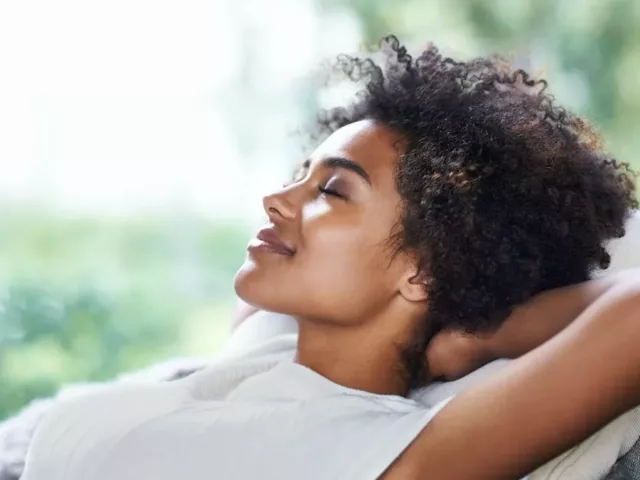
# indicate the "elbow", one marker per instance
pixel 617 309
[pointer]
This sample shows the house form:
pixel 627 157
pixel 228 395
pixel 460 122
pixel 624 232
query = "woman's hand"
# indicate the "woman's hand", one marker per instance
pixel 452 354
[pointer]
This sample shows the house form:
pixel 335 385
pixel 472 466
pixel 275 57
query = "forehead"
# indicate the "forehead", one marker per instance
pixel 369 143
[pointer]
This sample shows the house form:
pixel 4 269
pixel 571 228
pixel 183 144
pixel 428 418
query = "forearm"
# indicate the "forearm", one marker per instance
pixel 547 314
pixel 453 354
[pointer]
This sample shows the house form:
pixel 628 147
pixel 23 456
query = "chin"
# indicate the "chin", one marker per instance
pixel 252 286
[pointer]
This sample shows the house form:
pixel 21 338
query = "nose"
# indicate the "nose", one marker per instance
pixel 278 206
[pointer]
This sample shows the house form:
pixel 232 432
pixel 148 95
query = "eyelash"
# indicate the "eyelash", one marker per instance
pixel 325 191
pixel 328 191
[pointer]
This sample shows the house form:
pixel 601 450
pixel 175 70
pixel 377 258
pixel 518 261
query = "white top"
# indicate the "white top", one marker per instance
pixel 255 415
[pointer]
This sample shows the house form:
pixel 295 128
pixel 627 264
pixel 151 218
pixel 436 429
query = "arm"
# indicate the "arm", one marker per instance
pixel 547 314
pixel 453 354
pixel 544 402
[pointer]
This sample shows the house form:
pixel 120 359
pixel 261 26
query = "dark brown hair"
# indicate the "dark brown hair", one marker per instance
pixel 505 194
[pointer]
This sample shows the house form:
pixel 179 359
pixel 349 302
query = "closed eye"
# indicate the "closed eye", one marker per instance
pixel 328 191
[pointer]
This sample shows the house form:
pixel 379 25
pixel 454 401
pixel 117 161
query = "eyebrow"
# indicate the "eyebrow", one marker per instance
pixel 344 163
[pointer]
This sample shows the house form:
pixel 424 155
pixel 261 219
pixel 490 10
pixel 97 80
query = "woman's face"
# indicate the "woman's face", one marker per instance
pixel 323 255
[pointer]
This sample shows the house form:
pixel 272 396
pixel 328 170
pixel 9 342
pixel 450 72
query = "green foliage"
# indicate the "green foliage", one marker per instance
pixel 49 336
pixel 86 299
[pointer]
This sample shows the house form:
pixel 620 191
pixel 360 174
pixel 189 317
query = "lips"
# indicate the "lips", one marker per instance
pixel 272 242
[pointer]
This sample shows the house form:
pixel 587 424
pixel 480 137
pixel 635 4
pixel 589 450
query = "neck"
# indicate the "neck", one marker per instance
pixel 355 356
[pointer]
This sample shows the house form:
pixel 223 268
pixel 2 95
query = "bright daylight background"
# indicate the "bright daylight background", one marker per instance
pixel 138 136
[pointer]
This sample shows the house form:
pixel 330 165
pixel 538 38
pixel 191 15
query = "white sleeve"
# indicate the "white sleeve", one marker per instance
pixel 382 452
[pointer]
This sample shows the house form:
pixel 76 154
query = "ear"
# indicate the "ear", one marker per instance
pixel 414 286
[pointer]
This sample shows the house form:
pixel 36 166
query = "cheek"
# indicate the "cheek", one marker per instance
pixel 342 275
pixel 337 252
pixel 339 273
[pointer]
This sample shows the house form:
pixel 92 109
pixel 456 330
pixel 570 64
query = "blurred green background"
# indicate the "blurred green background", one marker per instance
pixel 87 293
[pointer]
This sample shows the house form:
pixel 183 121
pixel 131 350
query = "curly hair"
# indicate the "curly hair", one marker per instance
pixel 504 193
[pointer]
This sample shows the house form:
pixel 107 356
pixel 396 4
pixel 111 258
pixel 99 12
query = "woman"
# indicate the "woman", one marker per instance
pixel 447 197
